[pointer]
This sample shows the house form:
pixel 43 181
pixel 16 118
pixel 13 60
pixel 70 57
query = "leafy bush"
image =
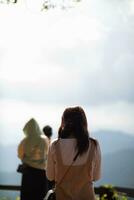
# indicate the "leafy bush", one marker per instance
pixel 7 198
pixel 108 192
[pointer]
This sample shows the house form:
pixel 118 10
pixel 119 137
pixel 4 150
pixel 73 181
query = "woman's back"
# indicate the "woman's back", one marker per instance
pixel 77 184
pixel 73 138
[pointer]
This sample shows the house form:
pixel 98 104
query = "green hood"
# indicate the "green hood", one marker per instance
pixel 32 129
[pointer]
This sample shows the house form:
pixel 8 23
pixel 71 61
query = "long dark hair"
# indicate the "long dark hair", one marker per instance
pixel 74 123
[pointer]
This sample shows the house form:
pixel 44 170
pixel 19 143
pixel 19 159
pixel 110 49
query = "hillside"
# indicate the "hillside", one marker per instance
pixel 117 160
pixel 117 169
pixel 113 141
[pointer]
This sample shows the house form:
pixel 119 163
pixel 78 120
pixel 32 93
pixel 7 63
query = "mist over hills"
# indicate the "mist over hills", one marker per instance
pixel 113 141
pixel 118 167
pixel 117 160
pixel 8 158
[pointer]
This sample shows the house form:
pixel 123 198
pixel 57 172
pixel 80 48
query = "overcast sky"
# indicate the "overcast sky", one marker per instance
pixel 78 56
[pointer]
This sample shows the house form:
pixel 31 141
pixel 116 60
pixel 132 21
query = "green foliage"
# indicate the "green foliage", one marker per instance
pixel 8 1
pixel 109 193
pixel 48 4
pixel 7 198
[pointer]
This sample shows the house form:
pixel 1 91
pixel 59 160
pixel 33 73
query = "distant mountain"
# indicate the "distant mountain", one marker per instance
pixel 113 141
pixel 118 168
pixel 117 159
pixel 8 158
pixel 10 178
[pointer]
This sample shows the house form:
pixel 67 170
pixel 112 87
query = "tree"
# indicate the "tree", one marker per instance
pixel 48 4
pixel 8 1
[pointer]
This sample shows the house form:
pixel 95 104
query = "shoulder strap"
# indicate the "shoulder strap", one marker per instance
pixel 74 159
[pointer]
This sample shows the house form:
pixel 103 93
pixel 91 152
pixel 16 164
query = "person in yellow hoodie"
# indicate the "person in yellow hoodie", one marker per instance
pixel 32 151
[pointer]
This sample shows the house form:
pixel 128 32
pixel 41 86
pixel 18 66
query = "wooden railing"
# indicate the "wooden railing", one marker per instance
pixel 98 190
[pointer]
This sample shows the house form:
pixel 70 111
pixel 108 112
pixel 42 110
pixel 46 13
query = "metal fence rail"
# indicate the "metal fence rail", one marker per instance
pixel 98 190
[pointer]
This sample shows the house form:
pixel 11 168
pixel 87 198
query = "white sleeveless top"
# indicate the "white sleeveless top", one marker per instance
pixel 68 152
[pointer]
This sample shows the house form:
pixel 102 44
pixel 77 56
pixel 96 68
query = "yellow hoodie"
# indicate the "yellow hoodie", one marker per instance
pixel 33 148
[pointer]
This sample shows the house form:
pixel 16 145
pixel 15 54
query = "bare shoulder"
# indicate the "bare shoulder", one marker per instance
pixel 52 145
pixel 54 142
pixel 94 141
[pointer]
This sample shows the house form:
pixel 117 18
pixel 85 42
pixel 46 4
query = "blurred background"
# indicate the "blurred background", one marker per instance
pixel 72 53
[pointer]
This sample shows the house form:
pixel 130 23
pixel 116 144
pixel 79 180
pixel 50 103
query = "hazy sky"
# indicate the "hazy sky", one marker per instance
pixel 79 56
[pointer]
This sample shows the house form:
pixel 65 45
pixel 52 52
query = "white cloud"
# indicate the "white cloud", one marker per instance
pixel 116 116
pixel 83 55
pixel 15 114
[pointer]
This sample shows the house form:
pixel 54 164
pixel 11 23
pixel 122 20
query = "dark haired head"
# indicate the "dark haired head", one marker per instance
pixel 74 124
pixel 47 131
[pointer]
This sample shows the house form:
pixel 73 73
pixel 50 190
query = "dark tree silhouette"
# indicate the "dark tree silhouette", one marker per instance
pixel 8 1
pixel 47 4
